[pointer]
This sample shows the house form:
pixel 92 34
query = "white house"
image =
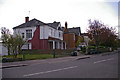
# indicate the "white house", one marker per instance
pixel 119 32
pixel 41 35
pixel 3 50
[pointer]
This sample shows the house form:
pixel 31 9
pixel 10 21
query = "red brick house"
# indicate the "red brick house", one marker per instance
pixel 71 36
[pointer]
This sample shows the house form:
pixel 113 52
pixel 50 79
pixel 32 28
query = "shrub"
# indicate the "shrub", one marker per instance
pixel 83 49
pixel 101 47
pixel 91 47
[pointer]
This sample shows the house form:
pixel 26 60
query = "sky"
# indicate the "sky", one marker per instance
pixel 75 12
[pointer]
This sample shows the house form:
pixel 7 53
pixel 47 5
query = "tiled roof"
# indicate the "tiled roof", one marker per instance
pixel 35 22
pixel 54 24
pixel 75 30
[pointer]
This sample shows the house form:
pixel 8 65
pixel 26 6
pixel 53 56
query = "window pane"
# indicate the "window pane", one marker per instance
pixel 59 34
pixel 22 35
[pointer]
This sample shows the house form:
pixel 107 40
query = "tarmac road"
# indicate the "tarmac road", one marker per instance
pixel 95 67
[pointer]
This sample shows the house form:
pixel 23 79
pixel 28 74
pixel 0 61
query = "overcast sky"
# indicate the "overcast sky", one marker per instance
pixel 75 12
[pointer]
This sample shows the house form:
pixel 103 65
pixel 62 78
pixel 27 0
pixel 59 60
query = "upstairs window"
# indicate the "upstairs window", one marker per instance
pixel 22 35
pixel 59 34
pixel 54 33
pixel 51 32
pixel 29 33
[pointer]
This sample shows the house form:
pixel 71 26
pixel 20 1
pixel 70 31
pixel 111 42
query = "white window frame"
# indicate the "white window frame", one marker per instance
pixel 29 33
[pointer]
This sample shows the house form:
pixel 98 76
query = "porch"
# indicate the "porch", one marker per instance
pixel 56 44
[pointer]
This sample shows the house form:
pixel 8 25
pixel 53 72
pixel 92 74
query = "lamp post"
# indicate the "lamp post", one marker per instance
pixel 53 53
pixel 53 49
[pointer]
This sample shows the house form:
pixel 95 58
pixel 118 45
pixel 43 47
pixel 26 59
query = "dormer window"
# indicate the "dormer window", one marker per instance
pixel 29 33
pixel 59 28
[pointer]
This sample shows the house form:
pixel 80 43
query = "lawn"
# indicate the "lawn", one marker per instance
pixel 35 56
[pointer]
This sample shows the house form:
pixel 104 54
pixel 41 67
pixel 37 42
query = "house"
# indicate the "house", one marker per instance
pixel 71 36
pixel 118 32
pixel 3 50
pixel 41 35
pixel 86 37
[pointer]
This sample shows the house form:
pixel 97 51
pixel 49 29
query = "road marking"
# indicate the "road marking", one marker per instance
pixel 50 71
pixel 103 60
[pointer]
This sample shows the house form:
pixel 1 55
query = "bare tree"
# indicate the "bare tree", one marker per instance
pixel 6 38
pixel 101 34
pixel 12 43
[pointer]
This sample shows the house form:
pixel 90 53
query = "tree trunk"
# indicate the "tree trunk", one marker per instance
pixel 19 50
pixel 15 54
pixel 8 50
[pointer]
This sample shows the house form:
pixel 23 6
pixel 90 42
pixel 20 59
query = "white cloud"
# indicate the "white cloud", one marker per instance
pixel 75 12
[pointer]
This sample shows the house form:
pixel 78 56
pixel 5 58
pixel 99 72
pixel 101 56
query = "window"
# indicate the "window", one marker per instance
pixel 29 33
pixel 74 37
pixel 22 35
pixel 59 34
pixel 51 32
pixel 54 33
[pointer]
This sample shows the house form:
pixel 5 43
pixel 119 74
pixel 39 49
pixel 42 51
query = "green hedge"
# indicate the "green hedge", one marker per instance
pixel 83 49
pixel 101 49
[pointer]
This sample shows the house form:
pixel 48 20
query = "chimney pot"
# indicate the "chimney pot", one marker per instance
pixel 26 19
pixel 65 26
pixel 54 22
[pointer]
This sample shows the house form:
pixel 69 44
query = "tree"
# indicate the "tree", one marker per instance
pixel 101 34
pixel 16 44
pixel 80 40
pixel 6 38
pixel 13 43
pixel 20 42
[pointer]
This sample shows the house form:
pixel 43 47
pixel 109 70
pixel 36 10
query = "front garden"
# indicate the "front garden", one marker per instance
pixel 36 54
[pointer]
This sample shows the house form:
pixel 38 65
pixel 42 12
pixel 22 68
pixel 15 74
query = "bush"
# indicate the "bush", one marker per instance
pixel 10 59
pixel 100 46
pixel 91 47
pixel 83 49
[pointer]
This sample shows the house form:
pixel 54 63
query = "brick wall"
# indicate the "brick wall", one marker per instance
pixel 69 38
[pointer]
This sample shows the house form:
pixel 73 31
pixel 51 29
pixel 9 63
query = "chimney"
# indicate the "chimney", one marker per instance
pixel 65 26
pixel 54 22
pixel 26 19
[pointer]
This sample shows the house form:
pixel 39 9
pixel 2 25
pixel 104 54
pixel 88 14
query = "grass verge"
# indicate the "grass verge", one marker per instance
pixel 35 56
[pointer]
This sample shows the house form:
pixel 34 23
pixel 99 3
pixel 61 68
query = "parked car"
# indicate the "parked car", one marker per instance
pixel 92 51
pixel 79 48
pixel 74 53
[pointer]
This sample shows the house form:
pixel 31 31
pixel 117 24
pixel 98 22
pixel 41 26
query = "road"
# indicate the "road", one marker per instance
pixel 95 67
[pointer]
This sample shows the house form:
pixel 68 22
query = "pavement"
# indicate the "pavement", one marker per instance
pixel 53 60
